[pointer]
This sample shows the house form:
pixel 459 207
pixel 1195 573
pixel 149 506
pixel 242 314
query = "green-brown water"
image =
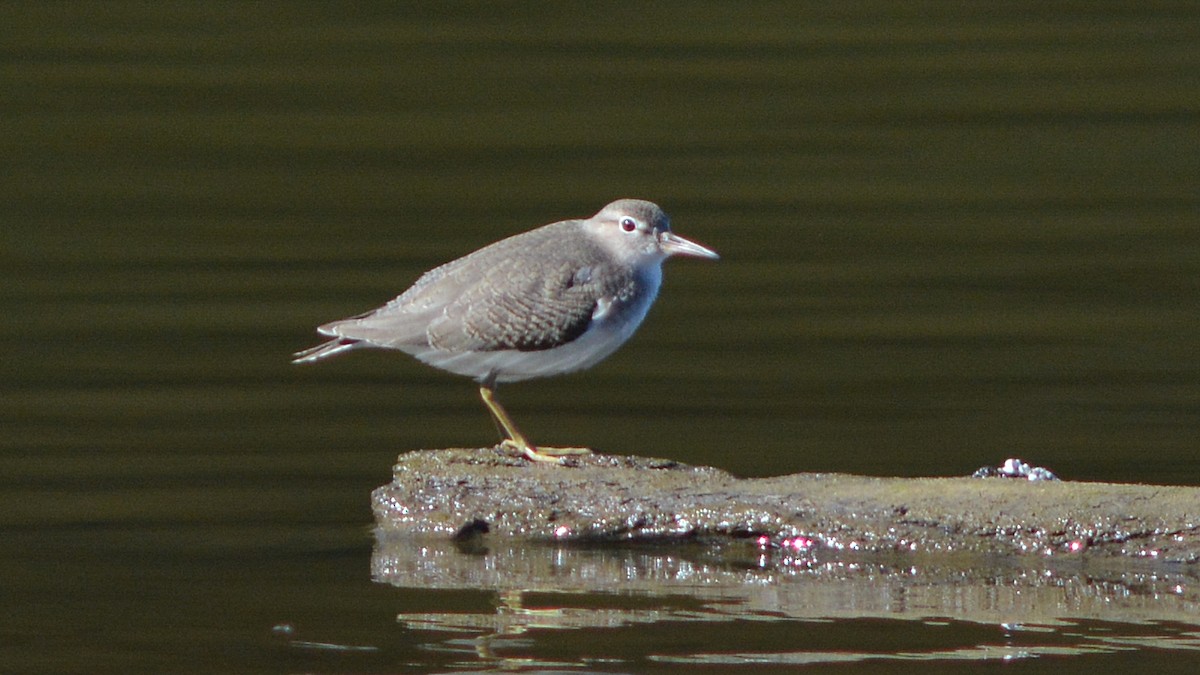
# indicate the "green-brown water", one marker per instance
pixel 949 235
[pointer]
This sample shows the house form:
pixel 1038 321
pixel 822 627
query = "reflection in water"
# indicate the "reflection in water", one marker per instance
pixel 742 605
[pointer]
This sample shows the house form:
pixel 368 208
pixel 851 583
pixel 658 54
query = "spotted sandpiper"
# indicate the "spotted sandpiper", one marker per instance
pixel 552 300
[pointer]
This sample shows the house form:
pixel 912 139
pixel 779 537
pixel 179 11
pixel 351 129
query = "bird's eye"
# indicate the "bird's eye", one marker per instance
pixel 628 224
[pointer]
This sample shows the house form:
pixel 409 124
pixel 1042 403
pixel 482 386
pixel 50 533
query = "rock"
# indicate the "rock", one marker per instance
pixel 473 493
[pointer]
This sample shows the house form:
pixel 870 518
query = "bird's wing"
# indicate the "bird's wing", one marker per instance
pixel 535 310
pixel 403 321
pixel 509 295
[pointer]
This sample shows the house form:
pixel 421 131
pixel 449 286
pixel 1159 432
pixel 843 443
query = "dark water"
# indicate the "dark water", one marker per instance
pixel 949 236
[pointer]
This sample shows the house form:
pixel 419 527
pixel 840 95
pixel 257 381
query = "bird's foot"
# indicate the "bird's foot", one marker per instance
pixel 536 454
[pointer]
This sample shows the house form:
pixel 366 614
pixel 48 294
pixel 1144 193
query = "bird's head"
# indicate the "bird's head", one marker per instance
pixel 639 231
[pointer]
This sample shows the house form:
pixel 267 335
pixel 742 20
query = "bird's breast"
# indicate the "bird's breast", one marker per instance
pixel 623 310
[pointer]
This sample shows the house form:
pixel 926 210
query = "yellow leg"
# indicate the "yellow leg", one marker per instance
pixel 515 440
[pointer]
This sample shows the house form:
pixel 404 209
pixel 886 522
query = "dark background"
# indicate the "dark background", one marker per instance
pixel 950 234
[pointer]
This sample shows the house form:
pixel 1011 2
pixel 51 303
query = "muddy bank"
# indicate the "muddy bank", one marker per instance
pixel 605 498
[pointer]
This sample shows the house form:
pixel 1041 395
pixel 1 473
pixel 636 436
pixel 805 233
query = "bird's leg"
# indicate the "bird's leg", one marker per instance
pixel 515 440
pixel 512 436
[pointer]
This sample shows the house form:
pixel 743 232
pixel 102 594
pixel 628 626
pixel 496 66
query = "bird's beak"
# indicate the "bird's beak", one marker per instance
pixel 673 244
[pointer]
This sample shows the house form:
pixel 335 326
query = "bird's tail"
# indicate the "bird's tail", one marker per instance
pixel 324 349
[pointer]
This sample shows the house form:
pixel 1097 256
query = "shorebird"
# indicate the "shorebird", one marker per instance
pixel 552 300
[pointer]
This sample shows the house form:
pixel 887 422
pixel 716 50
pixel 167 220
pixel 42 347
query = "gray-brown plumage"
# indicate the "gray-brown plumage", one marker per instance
pixel 552 300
